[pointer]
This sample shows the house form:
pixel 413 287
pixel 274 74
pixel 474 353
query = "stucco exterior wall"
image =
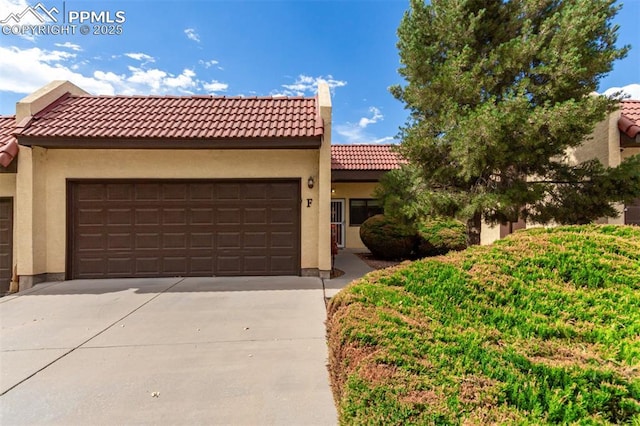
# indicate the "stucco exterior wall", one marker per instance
pixel 489 233
pixel 346 191
pixel 52 168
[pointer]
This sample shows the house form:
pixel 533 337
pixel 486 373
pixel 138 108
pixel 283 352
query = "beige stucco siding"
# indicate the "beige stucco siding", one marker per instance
pixel 346 191
pixel 50 190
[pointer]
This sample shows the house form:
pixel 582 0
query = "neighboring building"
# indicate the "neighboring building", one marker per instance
pixel 355 172
pixel 163 186
pixel 615 138
pixel 153 186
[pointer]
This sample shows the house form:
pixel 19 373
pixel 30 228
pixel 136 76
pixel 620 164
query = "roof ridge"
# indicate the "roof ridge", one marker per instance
pixel 365 144
pixel 194 96
pixel 52 105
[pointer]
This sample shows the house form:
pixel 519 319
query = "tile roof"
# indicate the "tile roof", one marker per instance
pixel 364 157
pixel 171 117
pixel 8 143
pixel 629 122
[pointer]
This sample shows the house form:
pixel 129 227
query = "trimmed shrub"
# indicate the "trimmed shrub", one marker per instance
pixel 539 328
pixel 387 239
pixel 440 236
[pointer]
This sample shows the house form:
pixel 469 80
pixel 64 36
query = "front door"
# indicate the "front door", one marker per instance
pixel 337 221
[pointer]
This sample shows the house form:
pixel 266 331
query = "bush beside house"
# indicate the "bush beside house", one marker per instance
pixel 389 239
pixel 539 328
pixel 440 236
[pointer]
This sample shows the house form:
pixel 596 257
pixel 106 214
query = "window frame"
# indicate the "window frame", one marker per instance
pixel 367 207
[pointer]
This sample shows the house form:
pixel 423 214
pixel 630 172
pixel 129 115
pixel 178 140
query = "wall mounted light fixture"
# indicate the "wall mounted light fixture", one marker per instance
pixel 310 182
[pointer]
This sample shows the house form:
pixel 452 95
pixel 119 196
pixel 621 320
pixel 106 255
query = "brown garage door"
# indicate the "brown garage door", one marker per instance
pixel 6 243
pixel 632 213
pixel 183 228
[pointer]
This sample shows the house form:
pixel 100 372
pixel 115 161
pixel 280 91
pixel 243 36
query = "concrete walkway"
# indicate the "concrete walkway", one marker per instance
pixel 353 268
pixel 241 351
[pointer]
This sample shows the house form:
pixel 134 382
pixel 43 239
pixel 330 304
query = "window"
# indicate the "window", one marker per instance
pixel 361 209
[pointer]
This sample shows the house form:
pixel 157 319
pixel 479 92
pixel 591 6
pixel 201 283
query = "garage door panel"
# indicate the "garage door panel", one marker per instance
pixel 147 192
pixel 283 191
pixel 228 191
pixel 201 191
pixel 255 264
pixel 91 267
pixel 255 216
pixel 91 242
pixel 229 240
pixel 6 243
pixel 176 216
pixel 282 216
pixel 184 229
pixel 119 192
pixel 120 241
pixel 90 217
pixel 255 240
pixel 174 192
pixel 119 266
pixel 149 241
pixel 174 241
pixel 281 265
pixel 283 240
pixel 123 216
pixel 174 266
pixel 228 265
pixel 89 192
pixel 255 191
pixel 202 216
pixel 148 216
pixel 147 265
pixel 228 216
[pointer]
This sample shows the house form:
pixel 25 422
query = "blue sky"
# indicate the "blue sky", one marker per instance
pixel 243 48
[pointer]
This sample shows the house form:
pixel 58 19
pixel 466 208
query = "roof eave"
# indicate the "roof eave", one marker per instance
pixel 309 142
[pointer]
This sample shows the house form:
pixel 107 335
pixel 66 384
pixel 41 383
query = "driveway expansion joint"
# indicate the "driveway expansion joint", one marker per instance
pixel 90 338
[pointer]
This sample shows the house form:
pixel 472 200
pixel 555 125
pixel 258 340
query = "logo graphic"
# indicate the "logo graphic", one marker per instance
pixel 39 12
pixel 39 20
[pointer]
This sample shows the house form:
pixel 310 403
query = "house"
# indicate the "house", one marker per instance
pixel 355 172
pixel 615 138
pixel 157 186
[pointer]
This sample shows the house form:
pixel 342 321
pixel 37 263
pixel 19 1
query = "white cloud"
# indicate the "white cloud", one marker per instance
pixel 183 81
pixel 26 70
pixel 192 35
pixel 633 90
pixel 152 78
pixel 306 85
pixel 215 86
pixel 355 133
pixel 69 45
pixel 350 133
pixel 142 57
pixel 377 115
pixel 208 64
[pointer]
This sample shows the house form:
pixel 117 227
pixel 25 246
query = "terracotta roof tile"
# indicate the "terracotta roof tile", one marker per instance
pixel 8 143
pixel 177 117
pixel 629 122
pixel 365 157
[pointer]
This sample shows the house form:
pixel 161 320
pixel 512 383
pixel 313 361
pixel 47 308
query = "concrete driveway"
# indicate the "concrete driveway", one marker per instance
pixel 241 351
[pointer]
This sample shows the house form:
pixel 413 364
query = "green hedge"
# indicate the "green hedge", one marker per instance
pixel 387 239
pixel 440 236
pixel 539 328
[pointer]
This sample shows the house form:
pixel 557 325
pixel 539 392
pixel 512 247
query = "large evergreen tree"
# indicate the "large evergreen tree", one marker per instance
pixel 498 91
